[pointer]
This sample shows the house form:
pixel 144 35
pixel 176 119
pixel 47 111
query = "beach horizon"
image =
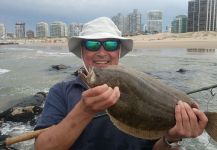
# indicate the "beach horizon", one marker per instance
pixel 161 40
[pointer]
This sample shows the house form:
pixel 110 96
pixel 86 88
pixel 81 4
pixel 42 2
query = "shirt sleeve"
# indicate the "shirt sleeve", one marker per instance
pixel 54 109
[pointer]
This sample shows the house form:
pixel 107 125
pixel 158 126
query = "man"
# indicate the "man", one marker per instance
pixel 73 111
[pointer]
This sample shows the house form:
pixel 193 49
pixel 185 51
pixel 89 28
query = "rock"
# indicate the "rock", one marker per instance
pixel 41 93
pixel 26 110
pixel 20 114
pixel 59 67
pixel 181 70
pixel 35 100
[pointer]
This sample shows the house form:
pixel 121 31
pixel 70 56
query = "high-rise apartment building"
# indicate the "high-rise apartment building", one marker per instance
pixel 74 29
pixel 127 25
pixel 135 22
pixel 2 31
pixel 179 24
pixel 130 24
pixel 58 29
pixel 41 30
pixel 154 21
pixel 202 15
pixel 20 30
pixel 119 22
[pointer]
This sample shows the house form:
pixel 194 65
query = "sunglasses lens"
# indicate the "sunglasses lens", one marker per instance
pixel 92 45
pixel 111 45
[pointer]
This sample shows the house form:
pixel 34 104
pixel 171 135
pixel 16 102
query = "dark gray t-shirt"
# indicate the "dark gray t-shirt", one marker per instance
pixel 100 134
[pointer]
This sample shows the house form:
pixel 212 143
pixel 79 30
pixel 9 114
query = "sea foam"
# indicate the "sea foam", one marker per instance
pixel 54 53
pixel 2 71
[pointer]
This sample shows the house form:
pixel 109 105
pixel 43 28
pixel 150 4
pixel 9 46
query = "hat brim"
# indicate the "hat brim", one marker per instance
pixel 75 43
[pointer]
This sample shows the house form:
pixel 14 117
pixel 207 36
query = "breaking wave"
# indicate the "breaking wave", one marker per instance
pixel 54 53
pixel 2 71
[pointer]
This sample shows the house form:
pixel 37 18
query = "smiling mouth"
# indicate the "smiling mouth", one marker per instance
pixel 102 62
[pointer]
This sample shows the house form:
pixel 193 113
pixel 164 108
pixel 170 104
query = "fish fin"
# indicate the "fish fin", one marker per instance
pixel 211 127
pixel 83 77
pixel 85 67
pixel 91 76
pixel 144 134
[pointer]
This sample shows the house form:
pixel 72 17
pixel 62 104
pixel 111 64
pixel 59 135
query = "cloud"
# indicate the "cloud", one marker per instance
pixel 33 11
pixel 88 7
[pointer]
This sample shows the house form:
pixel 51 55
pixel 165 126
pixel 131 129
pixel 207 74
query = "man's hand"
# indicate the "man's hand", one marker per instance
pixel 190 122
pixel 100 98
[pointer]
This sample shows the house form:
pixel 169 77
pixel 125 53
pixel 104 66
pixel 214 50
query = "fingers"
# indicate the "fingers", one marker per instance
pixel 178 117
pixel 195 105
pixel 183 123
pixel 202 118
pixel 95 91
pixel 198 119
pixel 111 98
pixel 100 98
pixel 185 117
pixel 194 128
pixel 190 122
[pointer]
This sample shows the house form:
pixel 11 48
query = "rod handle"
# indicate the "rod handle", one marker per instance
pixel 23 137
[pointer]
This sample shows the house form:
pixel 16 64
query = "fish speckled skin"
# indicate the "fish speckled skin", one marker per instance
pixel 146 107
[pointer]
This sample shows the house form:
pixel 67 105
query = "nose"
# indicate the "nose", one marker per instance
pixel 102 51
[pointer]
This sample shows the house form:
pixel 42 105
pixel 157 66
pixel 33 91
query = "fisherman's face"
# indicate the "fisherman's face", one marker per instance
pixel 100 57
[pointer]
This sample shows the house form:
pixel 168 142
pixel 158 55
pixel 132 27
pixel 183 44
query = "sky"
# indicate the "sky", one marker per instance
pixel 81 11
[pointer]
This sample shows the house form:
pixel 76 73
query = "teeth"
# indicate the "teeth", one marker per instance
pixel 101 62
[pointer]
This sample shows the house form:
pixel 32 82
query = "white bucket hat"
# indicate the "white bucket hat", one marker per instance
pixel 100 28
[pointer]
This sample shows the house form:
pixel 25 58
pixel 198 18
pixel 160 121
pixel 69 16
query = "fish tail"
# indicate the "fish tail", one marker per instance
pixel 211 127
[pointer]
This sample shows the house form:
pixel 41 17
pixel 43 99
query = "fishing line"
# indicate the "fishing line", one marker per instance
pixel 202 89
pixel 212 93
pixel 210 98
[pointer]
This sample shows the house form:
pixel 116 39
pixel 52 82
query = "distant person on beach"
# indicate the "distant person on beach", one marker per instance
pixel 74 113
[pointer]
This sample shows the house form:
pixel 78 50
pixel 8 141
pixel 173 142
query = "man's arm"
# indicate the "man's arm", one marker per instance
pixel 63 135
pixel 190 123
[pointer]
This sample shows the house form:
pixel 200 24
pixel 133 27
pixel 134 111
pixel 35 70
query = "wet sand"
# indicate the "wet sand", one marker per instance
pixel 175 44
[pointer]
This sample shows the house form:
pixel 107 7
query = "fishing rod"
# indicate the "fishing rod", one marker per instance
pixel 23 137
pixel 7 141
pixel 202 89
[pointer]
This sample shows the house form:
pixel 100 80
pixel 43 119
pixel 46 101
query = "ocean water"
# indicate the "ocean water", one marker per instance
pixel 26 70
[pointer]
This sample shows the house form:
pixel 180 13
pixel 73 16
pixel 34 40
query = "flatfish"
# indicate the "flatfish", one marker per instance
pixel 146 108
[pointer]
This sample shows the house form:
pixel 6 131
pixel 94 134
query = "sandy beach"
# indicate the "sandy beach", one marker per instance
pixel 171 40
pixel 206 40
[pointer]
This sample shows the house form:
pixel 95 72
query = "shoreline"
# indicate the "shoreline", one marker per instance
pixel 153 44
pixel 139 44
pixel 161 40
pixel 175 44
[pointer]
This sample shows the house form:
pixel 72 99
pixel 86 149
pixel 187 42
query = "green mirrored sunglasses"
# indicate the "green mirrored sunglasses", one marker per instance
pixel 108 45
